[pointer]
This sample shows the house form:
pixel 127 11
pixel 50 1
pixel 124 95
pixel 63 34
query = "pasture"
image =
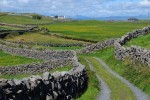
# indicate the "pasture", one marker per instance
pixel 142 41
pixel 41 38
pixel 94 30
pixel 11 60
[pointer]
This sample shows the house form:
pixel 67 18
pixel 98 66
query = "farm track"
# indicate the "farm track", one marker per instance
pixel 105 91
pixel 137 92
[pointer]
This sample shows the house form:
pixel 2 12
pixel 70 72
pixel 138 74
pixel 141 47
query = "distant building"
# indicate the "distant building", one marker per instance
pixel 132 19
pixel 60 17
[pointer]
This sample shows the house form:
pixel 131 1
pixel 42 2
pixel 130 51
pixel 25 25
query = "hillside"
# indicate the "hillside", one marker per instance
pixel 22 19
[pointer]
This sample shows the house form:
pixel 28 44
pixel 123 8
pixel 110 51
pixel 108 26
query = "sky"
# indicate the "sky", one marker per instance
pixel 89 8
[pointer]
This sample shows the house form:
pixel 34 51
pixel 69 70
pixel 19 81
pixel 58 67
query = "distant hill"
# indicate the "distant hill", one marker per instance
pixel 80 17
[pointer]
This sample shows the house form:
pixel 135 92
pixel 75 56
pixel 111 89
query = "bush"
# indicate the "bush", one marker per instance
pixel 37 17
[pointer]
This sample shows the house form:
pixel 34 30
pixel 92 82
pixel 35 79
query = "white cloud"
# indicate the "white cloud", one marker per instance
pixel 145 3
pixel 78 7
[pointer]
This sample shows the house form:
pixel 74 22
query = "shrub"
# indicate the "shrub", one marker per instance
pixel 37 17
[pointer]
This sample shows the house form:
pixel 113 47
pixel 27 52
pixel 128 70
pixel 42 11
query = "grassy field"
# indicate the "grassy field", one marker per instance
pixel 37 37
pixel 11 60
pixel 142 41
pixel 16 19
pixel 94 30
pixel 134 72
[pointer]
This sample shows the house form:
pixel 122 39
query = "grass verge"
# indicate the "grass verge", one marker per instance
pixel 119 90
pixel 136 73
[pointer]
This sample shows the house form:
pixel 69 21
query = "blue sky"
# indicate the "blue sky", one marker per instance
pixel 89 8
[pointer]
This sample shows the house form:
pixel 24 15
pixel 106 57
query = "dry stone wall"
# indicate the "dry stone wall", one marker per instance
pixel 133 52
pixel 55 86
pixel 18 26
pixel 46 55
pixel 98 46
pixel 50 44
pixel 25 28
pixel 35 67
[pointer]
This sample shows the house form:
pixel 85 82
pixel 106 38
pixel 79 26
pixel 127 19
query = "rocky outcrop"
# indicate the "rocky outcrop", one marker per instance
pixel 134 52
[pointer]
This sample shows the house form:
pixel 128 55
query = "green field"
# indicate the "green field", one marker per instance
pixel 11 60
pixel 142 41
pixel 95 30
pixel 18 19
pixel 38 37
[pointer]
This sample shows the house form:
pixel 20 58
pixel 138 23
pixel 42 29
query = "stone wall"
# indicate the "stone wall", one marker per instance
pixel 46 55
pixel 98 46
pixel 15 45
pixel 34 67
pixel 55 86
pixel 25 28
pixel 18 25
pixel 50 44
pixel 133 52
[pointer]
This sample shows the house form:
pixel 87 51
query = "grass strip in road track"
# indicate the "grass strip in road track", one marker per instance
pixel 119 90
pixel 93 83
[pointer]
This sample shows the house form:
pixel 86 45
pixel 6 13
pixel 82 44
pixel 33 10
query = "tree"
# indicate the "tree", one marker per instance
pixel 37 17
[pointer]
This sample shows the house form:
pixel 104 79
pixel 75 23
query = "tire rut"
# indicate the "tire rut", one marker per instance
pixel 138 93
pixel 105 91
